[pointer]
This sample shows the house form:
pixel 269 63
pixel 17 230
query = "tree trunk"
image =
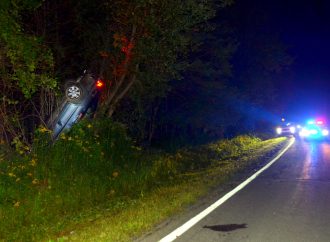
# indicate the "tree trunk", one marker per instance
pixel 114 97
pixel 112 107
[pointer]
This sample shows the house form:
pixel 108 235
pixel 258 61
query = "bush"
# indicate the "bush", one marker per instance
pixel 86 167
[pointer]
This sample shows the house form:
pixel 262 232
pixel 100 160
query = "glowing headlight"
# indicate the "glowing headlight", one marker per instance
pixel 278 130
pixel 325 132
pixel 304 132
pixel 292 130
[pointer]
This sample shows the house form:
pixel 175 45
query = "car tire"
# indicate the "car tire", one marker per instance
pixel 74 92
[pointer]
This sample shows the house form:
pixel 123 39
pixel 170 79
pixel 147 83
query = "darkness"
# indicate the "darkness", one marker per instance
pixel 265 32
pixel 304 28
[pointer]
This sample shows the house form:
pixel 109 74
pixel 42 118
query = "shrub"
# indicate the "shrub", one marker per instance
pixel 90 165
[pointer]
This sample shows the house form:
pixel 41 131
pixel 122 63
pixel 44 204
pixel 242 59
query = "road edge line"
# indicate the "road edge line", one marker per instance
pixel 187 225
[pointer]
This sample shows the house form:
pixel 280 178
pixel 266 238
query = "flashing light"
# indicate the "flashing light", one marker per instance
pixel 313 133
pixel 278 130
pixel 99 83
pixel 292 130
pixel 310 122
pixel 319 122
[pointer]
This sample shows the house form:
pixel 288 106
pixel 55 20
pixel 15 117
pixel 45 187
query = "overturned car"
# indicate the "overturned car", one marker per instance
pixel 81 99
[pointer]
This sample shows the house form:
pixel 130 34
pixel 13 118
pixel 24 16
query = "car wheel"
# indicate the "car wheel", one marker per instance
pixel 74 92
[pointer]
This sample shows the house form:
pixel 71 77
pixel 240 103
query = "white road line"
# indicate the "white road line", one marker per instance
pixel 183 228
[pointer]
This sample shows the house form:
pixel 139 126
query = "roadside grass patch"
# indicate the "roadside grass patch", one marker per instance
pixel 94 184
pixel 172 198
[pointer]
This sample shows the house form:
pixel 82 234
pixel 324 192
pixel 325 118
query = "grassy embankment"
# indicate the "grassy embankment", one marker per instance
pixel 93 179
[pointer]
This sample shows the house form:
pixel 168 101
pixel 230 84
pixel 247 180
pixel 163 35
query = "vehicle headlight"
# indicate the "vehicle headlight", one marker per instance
pixel 325 132
pixel 278 130
pixel 292 130
pixel 304 132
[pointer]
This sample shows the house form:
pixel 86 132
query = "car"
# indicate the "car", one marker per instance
pixel 288 129
pixel 80 99
pixel 315 129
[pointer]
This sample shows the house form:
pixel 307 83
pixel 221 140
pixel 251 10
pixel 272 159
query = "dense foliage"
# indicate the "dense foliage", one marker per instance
pixel 26 73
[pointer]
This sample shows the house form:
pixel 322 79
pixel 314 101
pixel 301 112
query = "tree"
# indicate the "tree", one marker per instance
pixel 139 47
pixel 165 34
pixel 150 40
pixel 26 67
pixel 196 106
pixel 231 86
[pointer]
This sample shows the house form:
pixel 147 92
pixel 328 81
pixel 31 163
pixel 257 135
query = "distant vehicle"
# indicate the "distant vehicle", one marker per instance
pixel 315 129
pixel 288 129
pixel 81 99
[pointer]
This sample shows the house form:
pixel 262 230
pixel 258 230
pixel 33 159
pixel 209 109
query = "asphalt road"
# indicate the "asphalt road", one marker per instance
pixel 290 201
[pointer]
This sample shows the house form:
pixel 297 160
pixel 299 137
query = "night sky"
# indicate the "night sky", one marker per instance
pixel 304 26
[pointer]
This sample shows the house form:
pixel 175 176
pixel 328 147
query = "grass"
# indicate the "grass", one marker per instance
pixel 168 200
pixel 87 184
pixel 143 213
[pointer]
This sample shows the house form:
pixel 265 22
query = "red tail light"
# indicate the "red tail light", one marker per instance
pixel 99 83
